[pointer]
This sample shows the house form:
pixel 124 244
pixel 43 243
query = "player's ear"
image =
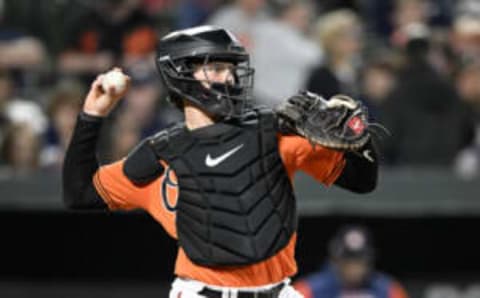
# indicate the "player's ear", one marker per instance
pixel 142 166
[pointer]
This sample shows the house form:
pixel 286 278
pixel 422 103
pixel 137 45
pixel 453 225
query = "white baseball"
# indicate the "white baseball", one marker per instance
pixel 115 79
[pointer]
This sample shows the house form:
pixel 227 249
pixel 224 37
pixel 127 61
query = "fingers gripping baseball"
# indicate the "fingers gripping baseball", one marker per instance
pixel 105 92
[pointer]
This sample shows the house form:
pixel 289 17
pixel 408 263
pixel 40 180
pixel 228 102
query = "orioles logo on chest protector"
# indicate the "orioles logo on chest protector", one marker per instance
pixel 169 190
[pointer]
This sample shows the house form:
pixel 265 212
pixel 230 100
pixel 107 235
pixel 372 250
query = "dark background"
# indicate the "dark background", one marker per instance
pixel 424 223
pixel 108 252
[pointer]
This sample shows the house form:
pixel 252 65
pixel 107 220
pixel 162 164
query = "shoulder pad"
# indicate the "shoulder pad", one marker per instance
pixel 141 165
pixel 263 110
pixel 267 117
pixel 160 140
pixel 255 114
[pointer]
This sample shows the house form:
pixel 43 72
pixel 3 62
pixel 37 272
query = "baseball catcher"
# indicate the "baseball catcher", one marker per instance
pixel 221 181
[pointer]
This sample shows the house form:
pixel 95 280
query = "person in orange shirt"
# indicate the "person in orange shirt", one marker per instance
pixel 350 271
pixel 221 181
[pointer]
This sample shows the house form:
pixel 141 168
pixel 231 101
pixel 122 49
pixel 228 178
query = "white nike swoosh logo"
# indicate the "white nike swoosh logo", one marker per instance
pixel 366 154
pixel 213 162
pixel 356 125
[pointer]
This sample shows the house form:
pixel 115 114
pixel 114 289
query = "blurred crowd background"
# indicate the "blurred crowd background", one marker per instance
pixel 414 63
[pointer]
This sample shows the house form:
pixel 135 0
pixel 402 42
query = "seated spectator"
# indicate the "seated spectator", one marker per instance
pixel 20 111
pixel 15 110
pixel 377 83
pixel 142 101
pixel 111 32
pixel 406 13
pixel 6 87
pixel 422 103
pixel 156 7
pixel 350 271
pixel 141 112
pixel 467 7
pixel 125 134
pixel 282 72
pixel 467 163
pixel 20 151
pixel 242 18
pixel 466 38
pixel 25 116
pixel 191 13
pixel 17 49
pixel 21 52
pixel 63 108
pixel 339 34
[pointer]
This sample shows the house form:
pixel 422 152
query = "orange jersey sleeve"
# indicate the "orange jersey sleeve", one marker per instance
pixel 158 197
pixel 323 164
pixel 117 190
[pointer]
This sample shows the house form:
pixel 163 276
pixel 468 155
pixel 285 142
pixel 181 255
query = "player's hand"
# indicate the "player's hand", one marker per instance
pixel 101 102
pixel 339 123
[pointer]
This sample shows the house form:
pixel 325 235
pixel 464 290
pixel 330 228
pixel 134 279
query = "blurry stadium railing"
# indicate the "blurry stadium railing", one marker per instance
pixel 401 192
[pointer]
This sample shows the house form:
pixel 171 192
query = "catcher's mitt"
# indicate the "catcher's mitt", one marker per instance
pixel 339 123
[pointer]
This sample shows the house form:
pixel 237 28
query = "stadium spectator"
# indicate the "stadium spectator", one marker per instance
pixel 17 49
pixel 466 38
pixel 20 111
pixel 124 134
pixel 22 54
pixel 142 100
pixel 377 82
pixel 283 70
pixel 112 31
pixel 406 13
pixel 192 13
pixel 350 270
pixel 65 103
pixel 142 113
pixel 467 7
pixel 6 86
pixel 25 123
pixel 340 34
pixel 20 151
pixel 384 19
pixel 424 102
pixel 16 112
pixel 155 7
pixel 467 163
pixel 242 18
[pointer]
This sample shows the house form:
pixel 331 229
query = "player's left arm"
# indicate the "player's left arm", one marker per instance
pixel 336 125
pixel 360 173
pixel 353 171
pixel 323 164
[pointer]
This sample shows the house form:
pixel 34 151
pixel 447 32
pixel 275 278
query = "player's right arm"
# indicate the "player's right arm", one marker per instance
pixel 80 162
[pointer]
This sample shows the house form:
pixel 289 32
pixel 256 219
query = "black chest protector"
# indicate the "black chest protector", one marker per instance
pixel 236 204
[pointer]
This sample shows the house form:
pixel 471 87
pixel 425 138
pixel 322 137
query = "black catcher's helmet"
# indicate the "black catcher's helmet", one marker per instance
pixel 178 53
pixel 352 242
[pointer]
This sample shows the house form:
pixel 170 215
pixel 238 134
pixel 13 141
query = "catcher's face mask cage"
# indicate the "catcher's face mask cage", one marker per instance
pixel 208 50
